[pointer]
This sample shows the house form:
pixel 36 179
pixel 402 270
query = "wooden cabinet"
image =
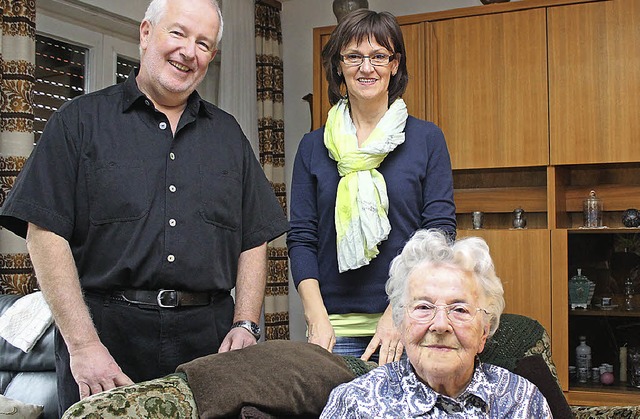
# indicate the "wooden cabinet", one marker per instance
pixel 594 80
pixel 489 81
pixel 413 34
pixel 522 260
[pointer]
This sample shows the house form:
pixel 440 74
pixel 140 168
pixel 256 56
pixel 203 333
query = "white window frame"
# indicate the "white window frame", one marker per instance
pixel 103 48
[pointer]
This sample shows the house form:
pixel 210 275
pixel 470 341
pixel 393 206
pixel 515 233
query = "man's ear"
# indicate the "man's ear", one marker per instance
pixel 145 33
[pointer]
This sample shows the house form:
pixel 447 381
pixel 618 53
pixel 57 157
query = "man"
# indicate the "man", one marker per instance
pixel 447 300
pixel 143 206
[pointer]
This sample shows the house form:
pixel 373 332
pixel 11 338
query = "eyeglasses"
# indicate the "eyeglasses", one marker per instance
pixel 353 60
pixel 424 311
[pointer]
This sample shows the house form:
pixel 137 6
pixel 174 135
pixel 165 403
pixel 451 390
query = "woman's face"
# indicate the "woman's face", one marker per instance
pixel 441 351
pixel 366 82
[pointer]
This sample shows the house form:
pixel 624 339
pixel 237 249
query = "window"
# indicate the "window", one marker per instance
pixel 124 67
pixel 59 77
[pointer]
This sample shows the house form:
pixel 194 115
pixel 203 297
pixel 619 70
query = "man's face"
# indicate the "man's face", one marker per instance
pixel 443 351
pixel 177 50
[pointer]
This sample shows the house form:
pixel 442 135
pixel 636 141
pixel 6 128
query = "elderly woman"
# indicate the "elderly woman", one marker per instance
pixel 447 300
pixel 362 185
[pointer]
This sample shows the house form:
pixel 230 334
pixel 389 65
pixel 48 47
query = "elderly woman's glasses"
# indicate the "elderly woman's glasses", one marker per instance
pixel 424 311
pixel 353 60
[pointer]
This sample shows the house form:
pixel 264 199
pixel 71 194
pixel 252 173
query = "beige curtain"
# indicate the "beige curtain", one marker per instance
pixel 271 145
pixel 17 56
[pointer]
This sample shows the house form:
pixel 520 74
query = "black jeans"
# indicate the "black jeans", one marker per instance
pixel 148 342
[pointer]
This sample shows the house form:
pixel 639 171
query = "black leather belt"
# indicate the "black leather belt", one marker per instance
pixel 164 298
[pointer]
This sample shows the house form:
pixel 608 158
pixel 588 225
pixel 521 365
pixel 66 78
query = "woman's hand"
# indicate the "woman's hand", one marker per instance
pixel 319 329
pixel 320 332
pixel 387 337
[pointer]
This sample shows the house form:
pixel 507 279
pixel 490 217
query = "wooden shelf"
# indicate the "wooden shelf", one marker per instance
pixel 531 199
pixel 600 395
pixel 617 312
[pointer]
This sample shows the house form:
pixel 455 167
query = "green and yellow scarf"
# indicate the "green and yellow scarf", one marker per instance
pixel 362 203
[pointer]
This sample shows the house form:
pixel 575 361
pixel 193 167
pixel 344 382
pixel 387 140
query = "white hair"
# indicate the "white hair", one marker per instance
pixel 158 7
pixel 470 255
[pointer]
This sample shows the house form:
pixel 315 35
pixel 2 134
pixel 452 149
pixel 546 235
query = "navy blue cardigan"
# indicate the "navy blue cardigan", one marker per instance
pixel 420 189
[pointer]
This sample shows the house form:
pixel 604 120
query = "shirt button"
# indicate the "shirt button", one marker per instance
pixel 171 258
pixel 172 222
pixel 163 125
pixel 172 156
pixel 146 102
pixel 172 188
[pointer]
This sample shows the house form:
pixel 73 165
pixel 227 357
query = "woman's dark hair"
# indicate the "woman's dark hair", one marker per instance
pixel 361 25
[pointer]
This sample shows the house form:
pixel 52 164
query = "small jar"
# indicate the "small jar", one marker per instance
pixel 592 208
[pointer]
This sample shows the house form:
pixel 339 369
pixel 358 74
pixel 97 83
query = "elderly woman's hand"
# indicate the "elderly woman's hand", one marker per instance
pixel 387 337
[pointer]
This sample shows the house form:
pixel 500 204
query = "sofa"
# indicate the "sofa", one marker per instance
pixel 278 379
pixel 29 378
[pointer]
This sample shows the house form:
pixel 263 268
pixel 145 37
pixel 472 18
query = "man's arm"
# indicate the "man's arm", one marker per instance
pixel 92 366
pixel 250 287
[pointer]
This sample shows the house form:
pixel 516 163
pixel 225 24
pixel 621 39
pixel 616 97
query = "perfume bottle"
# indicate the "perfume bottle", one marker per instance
pixel 628 294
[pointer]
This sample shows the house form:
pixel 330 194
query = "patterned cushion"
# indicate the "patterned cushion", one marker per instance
pixel 606 412
pixel 166 397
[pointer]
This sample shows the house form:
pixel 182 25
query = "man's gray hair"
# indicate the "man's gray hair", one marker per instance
pixel 470 255
pixel 157 8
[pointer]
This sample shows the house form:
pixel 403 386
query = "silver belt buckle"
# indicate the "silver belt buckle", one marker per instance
pixel 160 296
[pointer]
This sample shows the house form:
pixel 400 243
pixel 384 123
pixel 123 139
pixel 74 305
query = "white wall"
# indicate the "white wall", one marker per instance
pixel 299 17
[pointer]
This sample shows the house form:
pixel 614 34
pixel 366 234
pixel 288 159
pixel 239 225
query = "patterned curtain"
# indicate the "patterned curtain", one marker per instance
pixel 17 56
pixel 271 144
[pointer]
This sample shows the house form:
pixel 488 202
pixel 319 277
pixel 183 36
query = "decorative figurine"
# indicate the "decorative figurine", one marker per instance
pixel 631 218
pixel 581 291
pixel 519 221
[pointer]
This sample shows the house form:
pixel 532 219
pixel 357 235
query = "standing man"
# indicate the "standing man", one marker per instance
pixel 143 206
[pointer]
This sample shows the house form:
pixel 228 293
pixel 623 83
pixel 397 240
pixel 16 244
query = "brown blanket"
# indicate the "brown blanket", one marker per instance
pixel 280 377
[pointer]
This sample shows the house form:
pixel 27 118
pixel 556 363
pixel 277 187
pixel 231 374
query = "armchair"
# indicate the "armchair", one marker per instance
pixel 295 379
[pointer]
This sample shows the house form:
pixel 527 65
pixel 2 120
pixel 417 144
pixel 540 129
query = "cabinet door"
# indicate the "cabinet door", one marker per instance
pixel 489 77
pixel 521 258
pixel 414 96
pixel 594 80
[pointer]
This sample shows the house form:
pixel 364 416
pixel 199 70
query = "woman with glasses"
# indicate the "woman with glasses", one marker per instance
pixel 447 300
pixel 362 185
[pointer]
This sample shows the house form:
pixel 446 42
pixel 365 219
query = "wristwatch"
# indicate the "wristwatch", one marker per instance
pixel 253 328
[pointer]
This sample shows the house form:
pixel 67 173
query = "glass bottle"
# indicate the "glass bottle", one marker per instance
pixel 583 359
pixel 628 294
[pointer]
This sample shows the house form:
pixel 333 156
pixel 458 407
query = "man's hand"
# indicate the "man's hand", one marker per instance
pixel 237 338
pixel 95 370
pixel 387 337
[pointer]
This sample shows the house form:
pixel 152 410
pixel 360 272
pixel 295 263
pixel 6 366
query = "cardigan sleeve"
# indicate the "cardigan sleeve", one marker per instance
pixel 439 210
pixel 302 240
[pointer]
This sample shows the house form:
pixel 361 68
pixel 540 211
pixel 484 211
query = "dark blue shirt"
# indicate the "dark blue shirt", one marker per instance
pixel 140 207
pixel 420 189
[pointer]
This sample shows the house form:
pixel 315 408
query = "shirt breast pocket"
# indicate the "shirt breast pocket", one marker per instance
pixel 117 192
pixel 221 193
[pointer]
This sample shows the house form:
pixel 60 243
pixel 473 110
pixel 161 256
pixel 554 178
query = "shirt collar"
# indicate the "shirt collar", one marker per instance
pixel 133 95
pixel 477 392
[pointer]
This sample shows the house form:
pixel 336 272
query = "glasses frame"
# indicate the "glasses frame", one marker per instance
pixel 391 57
pixel 447 309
